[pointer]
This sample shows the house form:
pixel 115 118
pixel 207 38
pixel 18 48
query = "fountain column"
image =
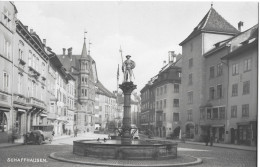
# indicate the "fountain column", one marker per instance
pixel 127 88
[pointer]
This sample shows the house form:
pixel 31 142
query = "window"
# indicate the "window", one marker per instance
pixel 247 65
pixel 176 117
pixel 7 47
pixel 161 104
pixel 221 112
pixel 190 97
pixel 176 103
pixel 189 113
pixel 190 79
pixel 215 113
pixel 176 88
pixel 161 90
pixel 233 111
pixel 202 114
pixel 164 103
pixel 20 50
pixel 157 89
pixel 157 105
pixel 219 91
pixel 165 89
pixel 6 82
pixel 164 116
pixel 234 69
pixel 234 89
pixel 246 87
pixel 30 58
pixel 219 69
pixel 82 92
pixel 19 83
pixel 190 62
pixel 245 110
pixel 43 68
pixel 208 113
pixel 212 72
pixel 211 93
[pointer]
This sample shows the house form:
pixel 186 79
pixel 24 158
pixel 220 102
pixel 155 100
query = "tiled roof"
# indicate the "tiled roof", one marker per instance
pixel 212 22
pixel 103 90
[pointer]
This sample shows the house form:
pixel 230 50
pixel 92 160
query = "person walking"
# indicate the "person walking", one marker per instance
pixel 211 140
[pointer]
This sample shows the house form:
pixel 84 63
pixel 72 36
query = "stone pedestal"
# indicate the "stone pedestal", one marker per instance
pixel 127 88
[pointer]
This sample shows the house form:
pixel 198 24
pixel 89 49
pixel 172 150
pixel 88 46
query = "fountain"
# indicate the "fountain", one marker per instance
pixel 126 148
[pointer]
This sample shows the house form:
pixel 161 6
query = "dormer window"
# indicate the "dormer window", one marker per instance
pixel 6 18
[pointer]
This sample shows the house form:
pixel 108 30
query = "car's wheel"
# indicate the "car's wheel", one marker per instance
pixel 40 140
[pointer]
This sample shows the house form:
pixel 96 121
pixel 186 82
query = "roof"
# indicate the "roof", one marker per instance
pixel 84 54
pixel 212 22
pixel 244 41
pixel 103 90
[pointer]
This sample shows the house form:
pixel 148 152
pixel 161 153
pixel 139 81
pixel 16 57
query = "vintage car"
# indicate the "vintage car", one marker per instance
pixel 39 134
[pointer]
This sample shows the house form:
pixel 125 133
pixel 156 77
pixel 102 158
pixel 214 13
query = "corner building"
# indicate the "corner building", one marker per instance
pixel 212 28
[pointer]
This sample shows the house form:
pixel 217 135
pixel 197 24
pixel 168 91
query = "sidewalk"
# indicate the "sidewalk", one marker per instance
pixel 4 145
pixel 232 146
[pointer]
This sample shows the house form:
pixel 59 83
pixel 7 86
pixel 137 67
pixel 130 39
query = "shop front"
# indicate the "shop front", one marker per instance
pixel 246 133
pixel 5 118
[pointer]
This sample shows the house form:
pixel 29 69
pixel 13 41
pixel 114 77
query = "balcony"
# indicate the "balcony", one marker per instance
pixel 36 103
pixel 33 72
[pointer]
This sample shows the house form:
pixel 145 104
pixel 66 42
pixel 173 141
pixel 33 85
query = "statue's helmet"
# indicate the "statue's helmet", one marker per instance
pixel 127 56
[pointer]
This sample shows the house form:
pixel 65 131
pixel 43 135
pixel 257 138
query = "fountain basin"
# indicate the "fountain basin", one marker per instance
pixel 137 149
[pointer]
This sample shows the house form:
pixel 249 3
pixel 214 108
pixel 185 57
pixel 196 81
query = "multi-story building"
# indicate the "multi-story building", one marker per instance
pixel 167 98
pixel 83 69
pixel 147 115
pixel 7 31
pixel 212 29
pixel 60 100
pixel 30 73
pixel 107 107
pixel 242 70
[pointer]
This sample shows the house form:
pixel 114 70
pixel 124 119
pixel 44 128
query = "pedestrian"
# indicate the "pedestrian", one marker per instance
pixel 211 140
pixel 207 138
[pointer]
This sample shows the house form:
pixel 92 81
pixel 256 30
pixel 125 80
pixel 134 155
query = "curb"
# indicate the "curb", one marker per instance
pixel 245 149
pixel 12 145
pixel 197 161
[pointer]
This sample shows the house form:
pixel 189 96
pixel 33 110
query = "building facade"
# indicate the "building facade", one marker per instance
pixel 242 66
pixel 107 105
pixel 7 31
pixel 83 69
pixel 212 29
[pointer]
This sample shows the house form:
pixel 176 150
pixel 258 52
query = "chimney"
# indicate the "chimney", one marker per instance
pixel 64 52
pixel 70 53
pixel 240 24
pixel 31 30
pixel 26 27
pixel 44 41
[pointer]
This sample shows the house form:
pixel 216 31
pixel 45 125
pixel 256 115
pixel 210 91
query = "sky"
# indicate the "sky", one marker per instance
pixel 146 30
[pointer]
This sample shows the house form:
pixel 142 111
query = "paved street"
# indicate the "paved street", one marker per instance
pixel 212 156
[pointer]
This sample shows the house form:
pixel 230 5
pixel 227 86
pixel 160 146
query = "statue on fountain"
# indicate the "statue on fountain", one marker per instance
pixel 127 68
